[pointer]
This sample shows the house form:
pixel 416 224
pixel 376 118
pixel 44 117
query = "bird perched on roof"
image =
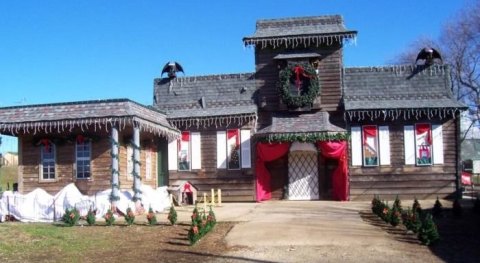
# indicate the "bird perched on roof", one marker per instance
pixel 171 68
pixel 429 56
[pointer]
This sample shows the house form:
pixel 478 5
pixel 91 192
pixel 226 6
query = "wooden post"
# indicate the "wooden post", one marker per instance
pixel 204 201
pixel 213 198
pixel 137 183
pixel 115 196
pixel 219 197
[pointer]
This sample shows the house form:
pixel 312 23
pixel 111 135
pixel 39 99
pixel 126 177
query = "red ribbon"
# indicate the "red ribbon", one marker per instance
pixel 299 71
pixel 80 139
pixel 46 144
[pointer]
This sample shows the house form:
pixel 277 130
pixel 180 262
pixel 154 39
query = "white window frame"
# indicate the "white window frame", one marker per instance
pixel 196 150
pixel 229 150
pixel 416 149
pixel 189 152
pixel 244 151
pixel 83 158
pixel 245 147
pixel 50 160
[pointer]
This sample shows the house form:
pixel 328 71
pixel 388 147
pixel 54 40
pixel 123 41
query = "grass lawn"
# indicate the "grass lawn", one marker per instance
pixel 8 175
pixel 36 242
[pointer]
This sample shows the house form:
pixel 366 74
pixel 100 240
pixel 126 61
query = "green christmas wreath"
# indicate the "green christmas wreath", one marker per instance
pixel 307 95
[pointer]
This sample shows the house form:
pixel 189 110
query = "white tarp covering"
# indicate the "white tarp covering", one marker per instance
pixel 39 206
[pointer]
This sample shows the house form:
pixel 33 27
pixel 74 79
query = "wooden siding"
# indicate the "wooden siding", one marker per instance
pixel 408 181
pixel 29 174
pixel 330 76
pixel 236 185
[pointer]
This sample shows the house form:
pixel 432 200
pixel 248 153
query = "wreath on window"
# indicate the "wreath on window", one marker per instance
pixel 304 79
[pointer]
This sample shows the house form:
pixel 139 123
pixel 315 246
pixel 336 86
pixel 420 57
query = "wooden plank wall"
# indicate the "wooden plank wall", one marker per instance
pixel 101 161
pixel 407 181
pixel 330 76
pixel 236 185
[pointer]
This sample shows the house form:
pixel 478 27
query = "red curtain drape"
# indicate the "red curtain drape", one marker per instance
pixel 340 183
pixel 423 128
pixel 369 131
pixel 267 152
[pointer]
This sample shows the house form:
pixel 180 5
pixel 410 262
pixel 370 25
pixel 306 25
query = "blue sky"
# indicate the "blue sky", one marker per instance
pixel 60 51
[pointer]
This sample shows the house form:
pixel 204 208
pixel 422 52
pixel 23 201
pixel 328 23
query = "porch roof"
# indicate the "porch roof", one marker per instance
pixel 301 123
pixel 57 117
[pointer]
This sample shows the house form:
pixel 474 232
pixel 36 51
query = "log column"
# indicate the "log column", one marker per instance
pixel 115 196
pixel 137 183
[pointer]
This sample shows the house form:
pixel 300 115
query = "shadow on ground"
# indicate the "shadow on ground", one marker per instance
pixel 459 236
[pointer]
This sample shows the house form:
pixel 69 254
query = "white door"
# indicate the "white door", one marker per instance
pixel 303 176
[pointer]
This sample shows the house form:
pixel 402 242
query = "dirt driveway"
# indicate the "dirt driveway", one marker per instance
pixel 297 231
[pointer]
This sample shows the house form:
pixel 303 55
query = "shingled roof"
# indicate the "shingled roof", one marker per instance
pixel 301 123
pixel 391 91
pixel 57 117
pixel 291 32
pixel 206 99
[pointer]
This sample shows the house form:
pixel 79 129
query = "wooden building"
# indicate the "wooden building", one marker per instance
pixel 95 144
pixel 396 127
pixel 301 127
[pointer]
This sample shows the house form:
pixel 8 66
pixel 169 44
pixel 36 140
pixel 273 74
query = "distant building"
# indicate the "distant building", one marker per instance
pixel 9 159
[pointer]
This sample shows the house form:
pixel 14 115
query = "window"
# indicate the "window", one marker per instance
pixel 82 155
pixel 423 144
pixel 370 145
pixel 148 164
pixel 185 153
pixel 47 163
pixel 184 156
pixel 233 149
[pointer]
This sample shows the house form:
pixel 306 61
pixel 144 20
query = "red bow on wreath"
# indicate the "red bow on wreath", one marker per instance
pixel 299 71
pixel 80 139
pixel 46 144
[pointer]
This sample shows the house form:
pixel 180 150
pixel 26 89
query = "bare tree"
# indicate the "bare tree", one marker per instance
pixel 459 44
pixel 410 54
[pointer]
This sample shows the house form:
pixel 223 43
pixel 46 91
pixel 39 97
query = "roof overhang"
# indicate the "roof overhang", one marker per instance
pixel 297 56
pixel 64 117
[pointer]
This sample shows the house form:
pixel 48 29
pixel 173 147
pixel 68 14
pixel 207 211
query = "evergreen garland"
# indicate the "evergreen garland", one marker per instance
pixel 115 172
pixel 307 97
pixel 135 174
pixel 304 137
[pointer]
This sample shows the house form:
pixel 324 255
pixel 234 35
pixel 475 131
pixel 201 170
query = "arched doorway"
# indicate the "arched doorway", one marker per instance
pixel 303 172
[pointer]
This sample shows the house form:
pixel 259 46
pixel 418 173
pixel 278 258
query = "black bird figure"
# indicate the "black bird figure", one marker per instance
pixel 171 68
pixel 429 56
